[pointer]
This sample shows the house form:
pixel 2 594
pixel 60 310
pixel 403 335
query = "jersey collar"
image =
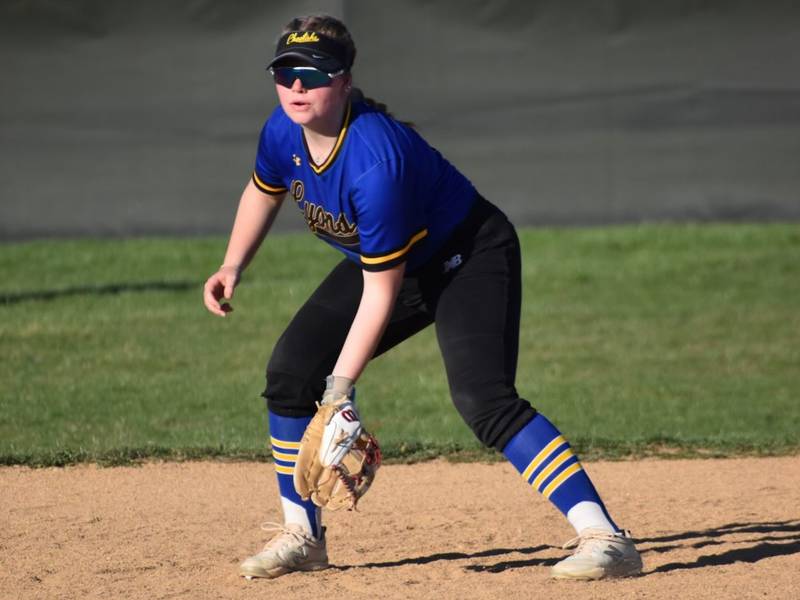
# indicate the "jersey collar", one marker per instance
pixel 319 169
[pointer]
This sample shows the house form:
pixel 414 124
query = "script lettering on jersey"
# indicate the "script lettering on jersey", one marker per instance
pixel 322 222
pixel 307 37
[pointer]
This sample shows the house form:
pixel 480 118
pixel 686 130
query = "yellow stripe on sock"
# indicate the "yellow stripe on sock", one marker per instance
pixel 569 472
pixel 284 470
pixel 284 445
pixel 284 457
pixel 558 460
pixel 543 454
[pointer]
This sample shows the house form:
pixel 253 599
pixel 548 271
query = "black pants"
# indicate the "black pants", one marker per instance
pixel 470 289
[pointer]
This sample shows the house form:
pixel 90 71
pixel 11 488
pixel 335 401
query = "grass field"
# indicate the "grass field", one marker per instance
pixel 656 339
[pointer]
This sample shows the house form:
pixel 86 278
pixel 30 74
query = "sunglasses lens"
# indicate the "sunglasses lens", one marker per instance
pixel 309 77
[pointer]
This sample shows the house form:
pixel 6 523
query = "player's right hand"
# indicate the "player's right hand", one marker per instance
pixel 220 285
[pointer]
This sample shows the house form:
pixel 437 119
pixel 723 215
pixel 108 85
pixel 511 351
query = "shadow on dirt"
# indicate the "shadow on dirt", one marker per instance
pixel 771 539
pixel 423 560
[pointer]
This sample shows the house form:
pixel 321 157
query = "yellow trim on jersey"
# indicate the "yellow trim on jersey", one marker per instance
pixel 332 156
pixel 554 464
pixel 284 470
pixel 284 445
pixel 569 472
pixel 543 454
pixel 393 255
pixel 284 457
pixel 265 187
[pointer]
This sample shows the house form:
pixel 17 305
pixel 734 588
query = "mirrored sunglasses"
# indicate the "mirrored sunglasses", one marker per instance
pixel 309 77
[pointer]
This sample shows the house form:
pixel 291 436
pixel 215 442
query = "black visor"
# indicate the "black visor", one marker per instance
pixel 314 49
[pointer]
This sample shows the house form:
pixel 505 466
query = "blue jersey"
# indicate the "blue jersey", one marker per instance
pixel 382 197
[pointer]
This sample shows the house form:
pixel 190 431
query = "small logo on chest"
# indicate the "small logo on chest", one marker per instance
pixel 296 160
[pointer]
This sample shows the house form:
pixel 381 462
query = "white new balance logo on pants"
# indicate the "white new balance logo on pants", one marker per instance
pixel 451 263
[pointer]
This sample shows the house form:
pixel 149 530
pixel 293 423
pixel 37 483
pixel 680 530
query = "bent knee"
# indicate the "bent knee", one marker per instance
pixel 290 395
pixel 494 421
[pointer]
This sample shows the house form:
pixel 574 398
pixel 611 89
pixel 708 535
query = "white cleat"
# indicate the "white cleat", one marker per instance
pixel 599 554
pixel 291 549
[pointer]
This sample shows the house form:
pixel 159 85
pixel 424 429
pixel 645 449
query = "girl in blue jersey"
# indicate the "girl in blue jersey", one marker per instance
pixel 420 246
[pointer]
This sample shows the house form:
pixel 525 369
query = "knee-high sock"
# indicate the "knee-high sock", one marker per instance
pixel 285 436
pixel 546 461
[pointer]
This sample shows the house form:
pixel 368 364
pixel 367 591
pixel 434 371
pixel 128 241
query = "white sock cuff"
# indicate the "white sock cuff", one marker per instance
pixel 589 515
pixel 294 513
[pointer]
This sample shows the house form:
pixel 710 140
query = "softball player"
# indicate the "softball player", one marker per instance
pixel 420 246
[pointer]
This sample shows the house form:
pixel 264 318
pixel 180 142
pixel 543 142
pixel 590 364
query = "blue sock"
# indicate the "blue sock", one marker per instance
pixel 546 461
pixel 285 436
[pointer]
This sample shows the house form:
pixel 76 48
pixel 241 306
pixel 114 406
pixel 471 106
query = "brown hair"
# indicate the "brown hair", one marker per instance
pixel 335 29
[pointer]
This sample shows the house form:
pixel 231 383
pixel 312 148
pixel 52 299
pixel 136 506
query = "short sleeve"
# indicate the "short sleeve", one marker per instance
pixel 266 175
pixel 390 222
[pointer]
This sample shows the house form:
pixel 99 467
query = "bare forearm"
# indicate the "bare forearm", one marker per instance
pixel 254 217
pixel 374 311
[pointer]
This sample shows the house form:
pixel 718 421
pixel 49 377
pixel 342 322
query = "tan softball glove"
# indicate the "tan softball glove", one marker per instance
pixel 337 459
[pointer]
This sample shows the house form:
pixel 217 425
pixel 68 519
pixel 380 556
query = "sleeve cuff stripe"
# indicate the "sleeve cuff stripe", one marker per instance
pixel 271 189
pixel 368 260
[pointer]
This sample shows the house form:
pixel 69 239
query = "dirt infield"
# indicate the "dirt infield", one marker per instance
pixel 707 528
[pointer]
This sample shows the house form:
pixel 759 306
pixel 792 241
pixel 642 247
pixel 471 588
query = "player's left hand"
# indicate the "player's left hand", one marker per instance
pixel 337 459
